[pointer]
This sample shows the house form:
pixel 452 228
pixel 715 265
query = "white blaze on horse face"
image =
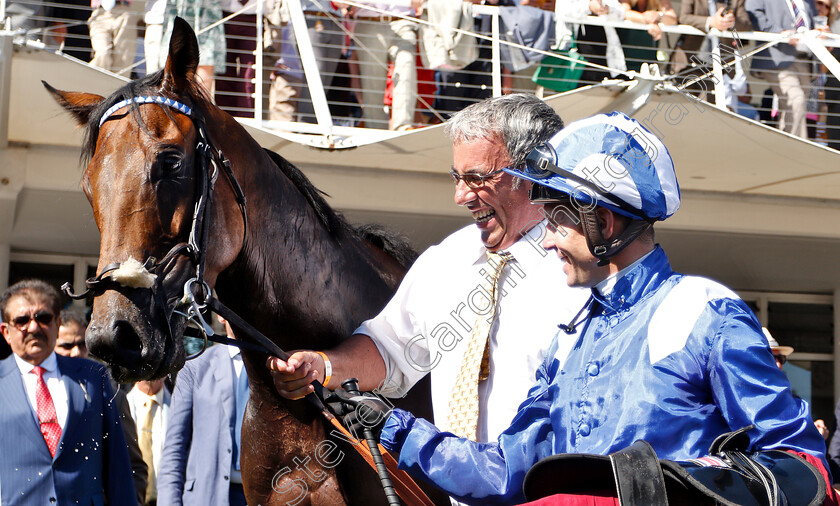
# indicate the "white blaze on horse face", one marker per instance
pixel 132 274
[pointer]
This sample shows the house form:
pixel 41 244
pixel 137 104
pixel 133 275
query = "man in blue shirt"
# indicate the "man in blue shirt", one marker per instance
pixel 671 359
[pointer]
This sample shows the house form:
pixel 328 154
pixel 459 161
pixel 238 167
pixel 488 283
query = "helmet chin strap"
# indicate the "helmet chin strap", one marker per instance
pixel 599 246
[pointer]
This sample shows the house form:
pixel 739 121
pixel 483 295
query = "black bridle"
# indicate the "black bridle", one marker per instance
pixel 209 161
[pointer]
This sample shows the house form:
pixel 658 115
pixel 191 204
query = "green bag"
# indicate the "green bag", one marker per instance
pixel 558 74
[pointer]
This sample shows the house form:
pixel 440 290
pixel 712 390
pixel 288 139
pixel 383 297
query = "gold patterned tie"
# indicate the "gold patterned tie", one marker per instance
pixel 475 366
pixel 144 440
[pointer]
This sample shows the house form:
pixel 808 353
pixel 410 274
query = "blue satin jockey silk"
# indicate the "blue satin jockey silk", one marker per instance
pixel 675 360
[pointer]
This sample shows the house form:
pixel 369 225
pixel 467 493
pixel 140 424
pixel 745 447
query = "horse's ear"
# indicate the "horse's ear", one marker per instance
pixel 77 103
pixel 183 58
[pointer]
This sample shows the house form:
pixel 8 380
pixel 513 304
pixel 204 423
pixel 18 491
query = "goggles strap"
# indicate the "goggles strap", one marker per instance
pixel 600 248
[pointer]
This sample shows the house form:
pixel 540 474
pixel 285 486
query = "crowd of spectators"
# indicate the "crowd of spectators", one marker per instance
pixel 400 67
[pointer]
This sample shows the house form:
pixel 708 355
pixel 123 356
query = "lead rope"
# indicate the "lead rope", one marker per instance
pixel 406 488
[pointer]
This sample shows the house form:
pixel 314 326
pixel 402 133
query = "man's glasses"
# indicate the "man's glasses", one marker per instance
pixel 474 181
pixel 41 317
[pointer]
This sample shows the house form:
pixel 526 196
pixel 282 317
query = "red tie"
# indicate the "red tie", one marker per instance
pixel 46 412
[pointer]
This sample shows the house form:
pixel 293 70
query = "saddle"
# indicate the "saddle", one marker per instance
pixel 727 476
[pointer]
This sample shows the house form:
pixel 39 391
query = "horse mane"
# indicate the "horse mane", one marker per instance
pixel 393 244
pixel 333 221
pixel 145 86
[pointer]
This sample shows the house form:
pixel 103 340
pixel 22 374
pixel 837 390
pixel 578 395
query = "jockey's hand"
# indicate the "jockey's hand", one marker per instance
pixel 293 379
pixel 360 411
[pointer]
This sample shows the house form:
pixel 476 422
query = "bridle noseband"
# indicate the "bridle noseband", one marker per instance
pixel 209 160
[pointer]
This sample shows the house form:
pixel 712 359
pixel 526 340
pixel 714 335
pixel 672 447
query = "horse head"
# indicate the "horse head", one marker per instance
pixel 150 179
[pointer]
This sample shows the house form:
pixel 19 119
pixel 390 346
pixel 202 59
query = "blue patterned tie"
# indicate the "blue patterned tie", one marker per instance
pixel 798 16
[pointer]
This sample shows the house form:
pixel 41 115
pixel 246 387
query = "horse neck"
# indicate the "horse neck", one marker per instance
pixel 293 277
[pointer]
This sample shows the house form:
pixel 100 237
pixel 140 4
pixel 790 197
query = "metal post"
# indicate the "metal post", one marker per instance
pixel 310 68
pixel 497 57
pixel 258 70
pixel 5 86
pixel 720 89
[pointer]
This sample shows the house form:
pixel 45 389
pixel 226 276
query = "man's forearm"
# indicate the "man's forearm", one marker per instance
pixel 356 357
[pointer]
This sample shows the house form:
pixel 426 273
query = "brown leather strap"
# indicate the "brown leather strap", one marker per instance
pixel 406 488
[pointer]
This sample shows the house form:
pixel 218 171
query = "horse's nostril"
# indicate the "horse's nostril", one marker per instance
pixel 121 346
pixel 126 340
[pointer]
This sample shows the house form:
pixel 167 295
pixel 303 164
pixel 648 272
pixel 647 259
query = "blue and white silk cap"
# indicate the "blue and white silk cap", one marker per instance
pixel 607 160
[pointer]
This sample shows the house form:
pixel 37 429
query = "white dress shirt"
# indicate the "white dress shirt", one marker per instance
pixel 55 384
pixel 430 319
pixel 136 401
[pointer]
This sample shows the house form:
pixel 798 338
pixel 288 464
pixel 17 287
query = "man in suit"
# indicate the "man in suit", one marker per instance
pixel 200 461
pixel 61 442
pixel 727 15
pixel 149 402
pixel 71 343
pixel 786 66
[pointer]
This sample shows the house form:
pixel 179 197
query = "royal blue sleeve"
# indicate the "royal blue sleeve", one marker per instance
pixel 480 473
pixel 749 388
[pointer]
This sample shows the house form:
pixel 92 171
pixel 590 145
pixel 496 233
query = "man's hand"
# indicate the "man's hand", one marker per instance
pixel 652 16
pixel 597 8
pixel 722 21
pixel 655 31
pixel 417 5
pixel 820 425
pixel 793 38
pixel 293 378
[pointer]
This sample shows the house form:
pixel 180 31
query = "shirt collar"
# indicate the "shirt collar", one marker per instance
pixel 50 364
pixel 234 351
pixel 634 282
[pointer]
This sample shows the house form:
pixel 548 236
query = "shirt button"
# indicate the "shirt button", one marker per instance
pixel 227 478
pixel 593 369
pixel 584 430
pixel 52 499
pixel 228 450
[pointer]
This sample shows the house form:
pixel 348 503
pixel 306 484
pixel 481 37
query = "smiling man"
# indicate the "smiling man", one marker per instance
pixel 465 310
pixel 61 442
pixel 671 359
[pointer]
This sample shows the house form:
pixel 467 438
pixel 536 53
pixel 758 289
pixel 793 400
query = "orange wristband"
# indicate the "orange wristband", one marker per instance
pixel 327 367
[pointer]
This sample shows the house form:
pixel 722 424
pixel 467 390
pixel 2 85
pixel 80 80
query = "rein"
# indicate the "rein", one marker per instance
pixel 191 304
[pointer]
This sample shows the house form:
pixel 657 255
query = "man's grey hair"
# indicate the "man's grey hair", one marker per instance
pixel 521 121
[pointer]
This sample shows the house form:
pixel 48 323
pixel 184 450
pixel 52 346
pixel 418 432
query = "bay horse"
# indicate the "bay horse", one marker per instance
pixel 269 245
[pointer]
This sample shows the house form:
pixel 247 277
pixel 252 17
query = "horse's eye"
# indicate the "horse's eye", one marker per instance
pixel 170 162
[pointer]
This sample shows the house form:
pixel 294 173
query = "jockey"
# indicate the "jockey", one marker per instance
pixel 671 359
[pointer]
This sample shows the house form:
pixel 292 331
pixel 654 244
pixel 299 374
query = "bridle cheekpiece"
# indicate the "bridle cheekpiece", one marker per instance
pixel 208 161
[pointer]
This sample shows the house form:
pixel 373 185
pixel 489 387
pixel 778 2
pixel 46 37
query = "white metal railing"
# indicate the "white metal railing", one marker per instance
pixel 328 123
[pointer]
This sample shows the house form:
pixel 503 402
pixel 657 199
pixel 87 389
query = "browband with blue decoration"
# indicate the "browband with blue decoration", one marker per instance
pixel 178 106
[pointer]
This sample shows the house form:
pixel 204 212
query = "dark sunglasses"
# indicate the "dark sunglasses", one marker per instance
pixel 474 181
pixel 41 317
